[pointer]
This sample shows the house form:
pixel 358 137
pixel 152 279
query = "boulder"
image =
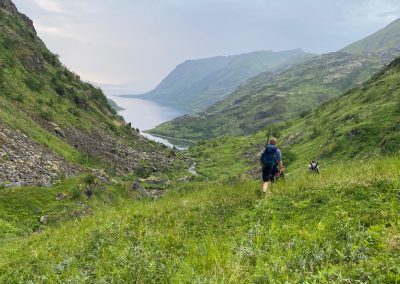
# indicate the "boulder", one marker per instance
pixel 43 220
pixel 61 196
pixel 135 186
pixel 59 132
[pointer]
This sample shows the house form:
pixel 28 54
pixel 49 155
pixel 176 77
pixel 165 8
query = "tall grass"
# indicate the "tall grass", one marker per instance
pixel 341 227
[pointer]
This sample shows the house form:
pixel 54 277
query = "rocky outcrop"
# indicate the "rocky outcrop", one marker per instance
pixel 10 7
pixel 152 187
pixel 124 158
pixel 26 162
pixel 32 62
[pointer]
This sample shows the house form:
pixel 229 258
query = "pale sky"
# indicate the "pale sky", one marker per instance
pixel 139 42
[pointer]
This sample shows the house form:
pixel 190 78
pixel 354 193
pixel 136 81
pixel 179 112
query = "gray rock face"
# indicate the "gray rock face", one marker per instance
pixel 24 162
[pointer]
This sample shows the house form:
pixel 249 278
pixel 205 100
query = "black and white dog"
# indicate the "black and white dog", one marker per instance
pixel 313 167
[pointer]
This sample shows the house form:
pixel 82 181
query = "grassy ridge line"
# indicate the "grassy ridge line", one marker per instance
pixel 340 227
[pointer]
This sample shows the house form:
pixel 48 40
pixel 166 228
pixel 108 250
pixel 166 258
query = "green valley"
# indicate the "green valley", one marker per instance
pixel 85 198
pixel 270 98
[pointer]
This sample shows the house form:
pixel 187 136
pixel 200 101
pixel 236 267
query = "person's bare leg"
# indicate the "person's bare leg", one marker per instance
pixel 265 187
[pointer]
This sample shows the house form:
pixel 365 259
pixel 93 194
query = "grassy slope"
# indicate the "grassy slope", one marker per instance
pixel 197 84
pixel 386 40
pixel 361 123
pixel 264 100
pixel 340 227
pixel 31 99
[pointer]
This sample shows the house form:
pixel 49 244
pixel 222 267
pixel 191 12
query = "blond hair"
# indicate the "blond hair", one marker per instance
pixel 273 141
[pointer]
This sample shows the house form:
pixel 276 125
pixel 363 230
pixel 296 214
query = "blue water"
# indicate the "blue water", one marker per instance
pixel 145 114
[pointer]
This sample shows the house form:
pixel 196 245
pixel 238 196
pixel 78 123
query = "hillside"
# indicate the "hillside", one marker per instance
pixel 214 227
pixel 52 124
pixel 197 84
pixel 360 124
pixel 341 227
pixel 270 98
pixel 384 43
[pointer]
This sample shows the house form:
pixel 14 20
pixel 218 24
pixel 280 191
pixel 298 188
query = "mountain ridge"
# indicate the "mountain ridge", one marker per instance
pixel 196 84
pixel 248 109
pixel 384 43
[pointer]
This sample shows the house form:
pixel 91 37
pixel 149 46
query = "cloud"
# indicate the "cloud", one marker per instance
pixel 377 11
pixel 50 5
pixel 142 40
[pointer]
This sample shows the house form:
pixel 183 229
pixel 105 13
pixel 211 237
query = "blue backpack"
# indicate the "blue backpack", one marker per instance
pixel 268 157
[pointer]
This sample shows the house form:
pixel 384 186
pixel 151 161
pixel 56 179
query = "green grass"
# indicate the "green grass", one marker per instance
pixel 21 208
pixel 339 227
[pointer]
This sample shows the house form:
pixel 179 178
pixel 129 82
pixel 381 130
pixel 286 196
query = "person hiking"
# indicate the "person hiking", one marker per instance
pixel 270 159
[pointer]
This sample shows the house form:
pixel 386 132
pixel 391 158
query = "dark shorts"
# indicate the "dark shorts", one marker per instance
pixel 269 173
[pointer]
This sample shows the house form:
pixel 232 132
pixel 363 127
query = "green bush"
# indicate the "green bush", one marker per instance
pixel 19 98
pixel 46 114
pixel 34 84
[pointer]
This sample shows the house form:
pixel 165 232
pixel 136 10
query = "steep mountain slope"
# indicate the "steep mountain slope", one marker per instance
pixel 197 84
pixel 384 43
pixel 361 123
pixel 53 124
pixel 269 98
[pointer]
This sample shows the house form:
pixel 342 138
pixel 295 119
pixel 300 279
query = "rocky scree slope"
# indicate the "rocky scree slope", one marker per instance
pixel 48 114
pixel 270 98
pixel 197 84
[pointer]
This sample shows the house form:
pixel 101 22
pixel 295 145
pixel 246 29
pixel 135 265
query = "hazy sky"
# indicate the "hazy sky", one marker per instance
pixel 140 41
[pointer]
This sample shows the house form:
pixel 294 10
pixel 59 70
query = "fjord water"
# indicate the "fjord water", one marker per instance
pixel 146 114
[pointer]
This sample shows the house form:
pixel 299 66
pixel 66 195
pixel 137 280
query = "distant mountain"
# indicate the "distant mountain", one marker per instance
pixel 269 98
pixel 362 122
pixel 359 124
pixel 117 89
pixel 114 105
pixel 385 43
pixel 197 84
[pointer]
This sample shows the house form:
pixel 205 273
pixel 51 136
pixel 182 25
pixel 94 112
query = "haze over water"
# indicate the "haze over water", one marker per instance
pixel 145 115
